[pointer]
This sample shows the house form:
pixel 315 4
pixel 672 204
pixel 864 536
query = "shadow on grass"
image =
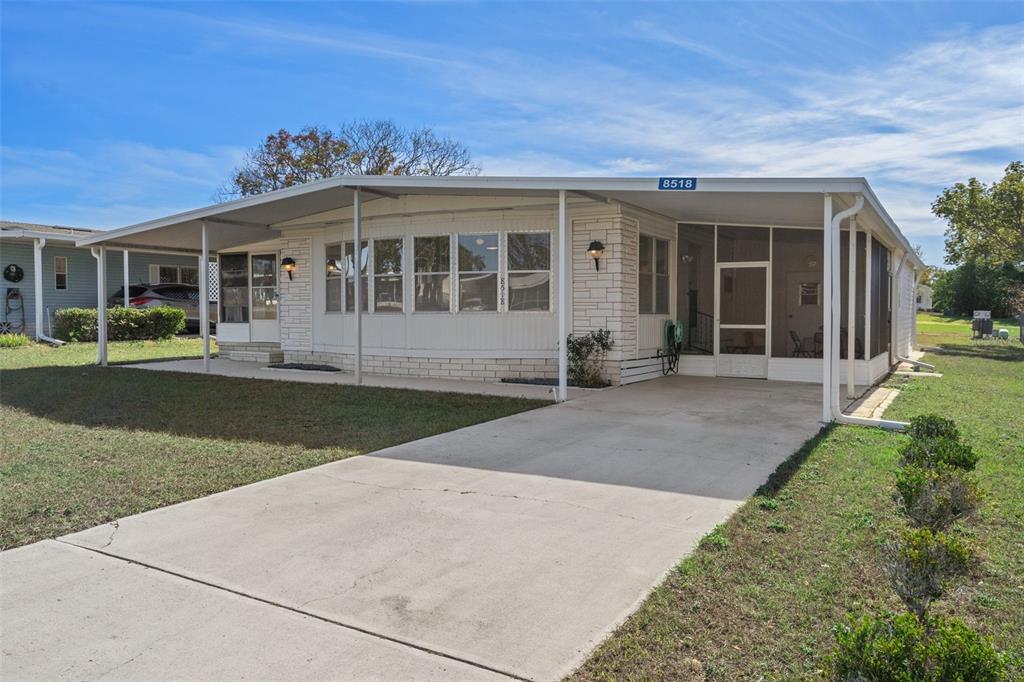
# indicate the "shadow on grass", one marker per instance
pixel 986 351
pixel 785 471
pixel 362 418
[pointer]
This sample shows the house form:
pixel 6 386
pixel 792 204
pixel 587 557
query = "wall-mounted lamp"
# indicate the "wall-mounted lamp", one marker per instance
pixel 288 265
pixel 332 265
pixel 595 251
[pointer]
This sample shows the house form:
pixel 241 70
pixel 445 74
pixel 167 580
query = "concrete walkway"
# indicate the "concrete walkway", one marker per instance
pixel 509 548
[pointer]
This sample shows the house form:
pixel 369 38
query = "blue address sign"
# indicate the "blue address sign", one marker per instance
pixel 677 183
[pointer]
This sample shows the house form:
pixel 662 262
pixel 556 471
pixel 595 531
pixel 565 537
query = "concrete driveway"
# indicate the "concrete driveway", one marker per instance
pixel 509 548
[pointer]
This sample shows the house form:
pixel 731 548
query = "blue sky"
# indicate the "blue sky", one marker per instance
pixel 116 113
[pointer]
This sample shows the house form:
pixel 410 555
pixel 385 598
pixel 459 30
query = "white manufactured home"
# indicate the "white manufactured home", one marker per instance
pixel 483 278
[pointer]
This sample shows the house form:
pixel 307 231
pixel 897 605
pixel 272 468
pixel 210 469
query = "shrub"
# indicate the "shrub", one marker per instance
pixel 903 649
pixel 123 324
pixel 586 354
pixel 932 426
pixel 936 497
pixel 939 451
pixel 14 340
pixel 919 565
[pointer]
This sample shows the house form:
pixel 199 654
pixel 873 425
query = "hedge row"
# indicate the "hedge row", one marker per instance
pixel 123 324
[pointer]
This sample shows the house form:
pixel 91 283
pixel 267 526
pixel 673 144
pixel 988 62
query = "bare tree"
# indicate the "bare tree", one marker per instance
pixel 360 147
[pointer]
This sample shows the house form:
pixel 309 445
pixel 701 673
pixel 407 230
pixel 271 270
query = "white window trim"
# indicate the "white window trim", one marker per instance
pixel 452 281
pixel 369 276
pixel 66 273
pixel 654 274
pixel 551 271
pixel 457 288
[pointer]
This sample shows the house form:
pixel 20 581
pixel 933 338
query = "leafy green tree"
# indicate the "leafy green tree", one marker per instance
pixel 978 285
pixel 985 222
pixel 378 147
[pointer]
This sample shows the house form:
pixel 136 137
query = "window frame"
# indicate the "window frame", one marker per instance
pixel 505 271
pixel 653 275
pixel 452 274
pixel 357 276
pixel 56 273
pixel 221 288
pixel 498 272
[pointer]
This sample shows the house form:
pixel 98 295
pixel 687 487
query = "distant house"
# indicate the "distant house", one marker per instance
pixel 69 272
pixel 924 297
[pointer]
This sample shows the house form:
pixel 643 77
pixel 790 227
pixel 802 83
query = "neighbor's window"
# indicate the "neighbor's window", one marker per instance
pixel 478 272
pixel 654 275
pixel 350 275
pixel 234 287
pixel 188 274
pixel 60 272
pixel 529 271
pixel 332 282
pixel 432 279
pixel 387 275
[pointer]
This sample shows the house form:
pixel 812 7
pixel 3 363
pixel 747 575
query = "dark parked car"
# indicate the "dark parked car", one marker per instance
pixel 184 296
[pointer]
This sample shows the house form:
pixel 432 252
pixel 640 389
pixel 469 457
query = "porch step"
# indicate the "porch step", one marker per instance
pixel 251 352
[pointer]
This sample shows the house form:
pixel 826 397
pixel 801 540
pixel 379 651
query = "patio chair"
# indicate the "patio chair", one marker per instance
pixel 798 346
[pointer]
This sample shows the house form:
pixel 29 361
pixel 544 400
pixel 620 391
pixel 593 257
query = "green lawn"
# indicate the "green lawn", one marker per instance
pixel 81 445
pixel 39 355
pixel 802 554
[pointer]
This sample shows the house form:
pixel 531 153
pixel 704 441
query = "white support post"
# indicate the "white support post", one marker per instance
pixel 851 313
pixel 357 252
pixel 101 305
pixel 37 264
pixel 867 300
pixel 126 278
pixel 563 301
pixel 837 302
pixel 826 322
pixel 204 295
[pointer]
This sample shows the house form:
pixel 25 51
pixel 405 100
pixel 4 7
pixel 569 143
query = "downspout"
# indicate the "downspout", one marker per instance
pixel 37 263
pixel 833 359
pixel 916 363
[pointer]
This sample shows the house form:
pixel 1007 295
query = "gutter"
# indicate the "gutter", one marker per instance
pixel 37 276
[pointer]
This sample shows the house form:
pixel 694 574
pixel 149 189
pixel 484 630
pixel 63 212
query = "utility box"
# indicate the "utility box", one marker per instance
pixel 981 325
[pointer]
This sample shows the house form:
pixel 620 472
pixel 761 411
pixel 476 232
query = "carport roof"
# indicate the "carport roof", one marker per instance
pixel 773 201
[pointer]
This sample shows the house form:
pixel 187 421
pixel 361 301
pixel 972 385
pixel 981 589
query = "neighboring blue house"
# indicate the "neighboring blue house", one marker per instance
pixel 69 273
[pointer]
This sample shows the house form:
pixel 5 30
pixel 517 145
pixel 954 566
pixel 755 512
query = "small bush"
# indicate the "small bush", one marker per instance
pixel 123 324
pixel 920 564
pixel 903 649
pixel 932 426
pixel 14 340
pixel 938 451
pixel 586 354
pixel 936 497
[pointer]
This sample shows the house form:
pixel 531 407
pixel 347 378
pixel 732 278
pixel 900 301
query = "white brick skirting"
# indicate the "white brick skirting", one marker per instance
pixel 483 369
pixel 296 306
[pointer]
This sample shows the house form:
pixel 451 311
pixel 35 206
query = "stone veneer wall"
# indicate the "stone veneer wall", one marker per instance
pixel 606 298
pixel 483 369
pixel 296 295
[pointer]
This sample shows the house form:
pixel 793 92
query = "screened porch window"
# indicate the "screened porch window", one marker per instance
pixel 478 272
pixel 432 273
pixel 350 276
pixel 529 271
pixel 332 277
pixel 387 275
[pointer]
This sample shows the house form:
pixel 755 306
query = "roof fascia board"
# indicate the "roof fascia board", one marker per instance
pixel 30 234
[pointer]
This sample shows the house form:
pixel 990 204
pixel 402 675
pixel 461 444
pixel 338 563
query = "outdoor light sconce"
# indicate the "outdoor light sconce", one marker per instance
pixel 332 265
pixel 288 265
pixel 595 251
